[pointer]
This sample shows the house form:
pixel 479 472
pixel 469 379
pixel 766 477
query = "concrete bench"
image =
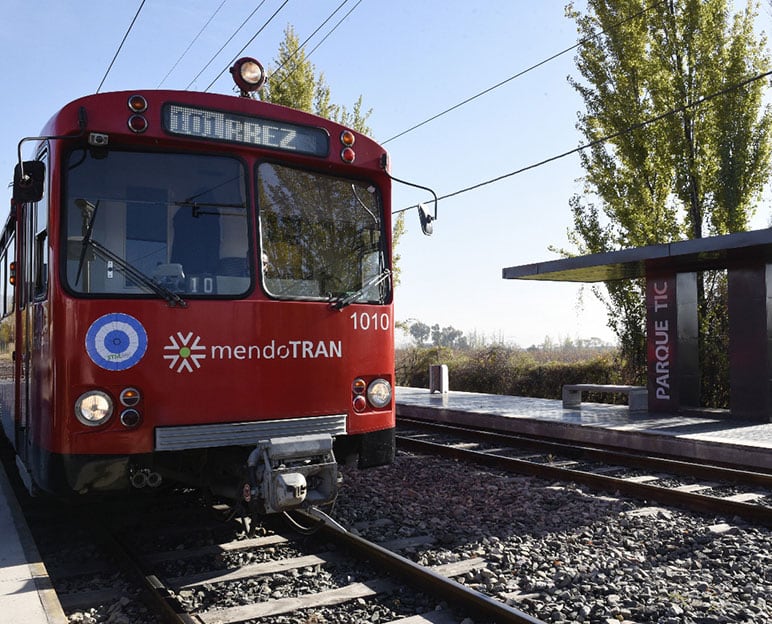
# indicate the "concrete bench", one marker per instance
pixel 637 396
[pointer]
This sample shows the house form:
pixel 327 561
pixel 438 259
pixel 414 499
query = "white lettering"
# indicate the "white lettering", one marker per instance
pixel 662 355
pixel 660 296
pixel 220 352
pixel 237 128
pixel 661 340
pixel 288 142
pixel 292 349
pixel 234 130
pixel 269 136
pixel 252 132
pixel 364 321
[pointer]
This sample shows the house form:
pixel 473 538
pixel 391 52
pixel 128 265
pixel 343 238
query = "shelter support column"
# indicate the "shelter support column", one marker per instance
pixel 750 342
pixel 672 337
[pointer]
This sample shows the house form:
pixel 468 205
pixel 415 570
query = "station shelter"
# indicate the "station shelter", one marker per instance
pixel 672 328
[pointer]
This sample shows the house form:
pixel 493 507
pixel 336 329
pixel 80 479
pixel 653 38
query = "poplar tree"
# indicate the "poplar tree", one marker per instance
pixel 294 82
pixel 698 170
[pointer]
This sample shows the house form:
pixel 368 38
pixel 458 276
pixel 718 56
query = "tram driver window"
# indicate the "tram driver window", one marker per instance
pixel 179 220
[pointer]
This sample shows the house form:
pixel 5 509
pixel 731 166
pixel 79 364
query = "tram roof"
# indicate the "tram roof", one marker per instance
pixel 714 253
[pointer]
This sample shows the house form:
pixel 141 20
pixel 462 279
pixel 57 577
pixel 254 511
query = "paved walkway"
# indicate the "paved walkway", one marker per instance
pixel 26 596
pixel 703 435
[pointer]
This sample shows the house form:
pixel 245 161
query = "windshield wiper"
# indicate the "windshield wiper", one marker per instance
pixel 341 302
pixel 88 211
pixel 172 298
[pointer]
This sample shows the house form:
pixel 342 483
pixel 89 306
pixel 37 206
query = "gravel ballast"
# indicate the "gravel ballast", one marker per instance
pixel 562 553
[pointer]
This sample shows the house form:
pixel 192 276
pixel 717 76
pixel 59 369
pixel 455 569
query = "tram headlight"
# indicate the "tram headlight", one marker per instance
pixel 379 393
pixel 94 408
pixel 248 74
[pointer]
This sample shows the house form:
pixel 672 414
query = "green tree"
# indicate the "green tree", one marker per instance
pixel 294 82
pixel 448 337
pixel 699 171
pixel 420 332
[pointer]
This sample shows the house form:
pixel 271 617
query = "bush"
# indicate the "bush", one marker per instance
pixel 512 371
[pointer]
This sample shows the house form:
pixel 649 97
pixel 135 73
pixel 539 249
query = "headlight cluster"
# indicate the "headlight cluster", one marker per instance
pixel 377 393
pixel 96 407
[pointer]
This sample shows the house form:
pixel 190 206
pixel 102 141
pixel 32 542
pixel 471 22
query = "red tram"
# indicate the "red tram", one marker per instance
pixel 196 290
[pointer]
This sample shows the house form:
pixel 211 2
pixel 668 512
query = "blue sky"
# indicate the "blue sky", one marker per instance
pixel 409 60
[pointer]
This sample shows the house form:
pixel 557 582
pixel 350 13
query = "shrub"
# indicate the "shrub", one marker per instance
pixel 499 369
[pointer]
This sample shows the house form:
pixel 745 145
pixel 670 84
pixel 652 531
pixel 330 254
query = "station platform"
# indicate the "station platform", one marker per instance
pixel 26 595
pixel 709 436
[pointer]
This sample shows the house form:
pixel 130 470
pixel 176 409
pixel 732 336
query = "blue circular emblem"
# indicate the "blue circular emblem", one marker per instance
pixel 116 341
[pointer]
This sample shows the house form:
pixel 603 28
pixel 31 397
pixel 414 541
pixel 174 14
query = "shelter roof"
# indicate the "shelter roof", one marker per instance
pixel 702 254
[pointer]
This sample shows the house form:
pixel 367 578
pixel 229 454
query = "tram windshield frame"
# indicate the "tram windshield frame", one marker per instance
pixel 178 226
pixel 322 236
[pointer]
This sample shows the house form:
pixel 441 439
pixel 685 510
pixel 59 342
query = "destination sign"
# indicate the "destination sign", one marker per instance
pixel 244 129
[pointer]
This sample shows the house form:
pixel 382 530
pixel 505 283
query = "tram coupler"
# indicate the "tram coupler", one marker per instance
pixel 285 473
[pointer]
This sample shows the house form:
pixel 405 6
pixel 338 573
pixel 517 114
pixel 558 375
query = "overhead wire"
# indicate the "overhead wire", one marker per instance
pixel 222 47
pixel 262 28
pixel 318 28
pixel 604 139
pixel 117 52
pixel 190 45
pixel 520 73
pixel 332 30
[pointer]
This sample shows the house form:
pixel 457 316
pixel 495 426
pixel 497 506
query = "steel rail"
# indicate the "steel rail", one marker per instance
pixel 157 595
pixel 690 500
pixel 434 583
pixel 601 453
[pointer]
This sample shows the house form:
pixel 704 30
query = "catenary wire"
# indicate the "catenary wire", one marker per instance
pixel 302 45
pixel 117 52
pixel 604 139
pixel 520 73
pixel 332 30
pixel 238 54
pixel 190 45
pixel 222 47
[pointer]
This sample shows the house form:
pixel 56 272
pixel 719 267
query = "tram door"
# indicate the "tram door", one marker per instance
pixel 32 330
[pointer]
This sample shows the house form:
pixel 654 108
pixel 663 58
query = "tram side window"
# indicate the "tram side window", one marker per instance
pixel 38 241
pixel 8 275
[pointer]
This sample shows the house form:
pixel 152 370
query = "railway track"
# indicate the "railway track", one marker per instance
pixel 174 559
pixel 206 571
pixel 721 490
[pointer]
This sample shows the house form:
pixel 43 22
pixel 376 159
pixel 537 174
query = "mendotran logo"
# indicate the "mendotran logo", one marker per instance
pixel 185 351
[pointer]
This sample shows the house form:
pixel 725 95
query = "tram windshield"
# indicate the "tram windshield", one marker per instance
pixel 139 223
pixel 321 237
pixel 177 226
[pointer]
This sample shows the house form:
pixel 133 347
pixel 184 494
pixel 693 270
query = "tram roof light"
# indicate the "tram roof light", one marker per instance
pixel 348 155
pixel 137 103
pixel 248 74
pixel 347 138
